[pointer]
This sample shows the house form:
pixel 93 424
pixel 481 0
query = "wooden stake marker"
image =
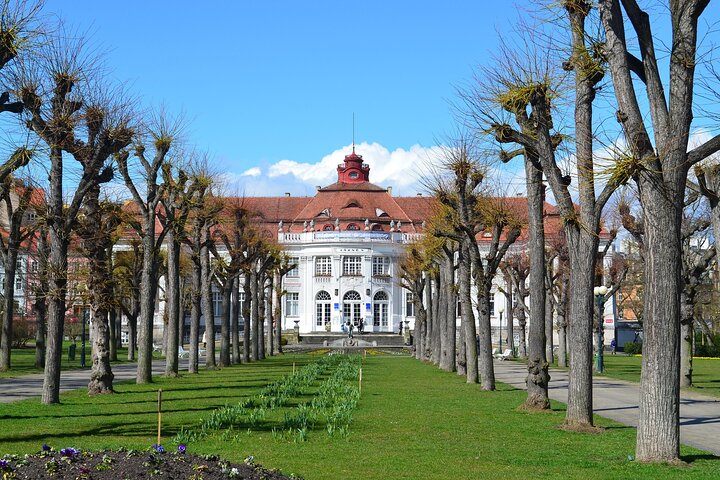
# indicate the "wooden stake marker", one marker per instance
pixel 159 412
pixel 360 381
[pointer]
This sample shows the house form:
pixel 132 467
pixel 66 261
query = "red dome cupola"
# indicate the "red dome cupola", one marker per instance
pixel 353 170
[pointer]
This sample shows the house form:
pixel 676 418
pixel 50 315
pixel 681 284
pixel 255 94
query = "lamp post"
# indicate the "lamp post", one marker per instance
pixel 600 293
pixel 500 310
pixel 82 344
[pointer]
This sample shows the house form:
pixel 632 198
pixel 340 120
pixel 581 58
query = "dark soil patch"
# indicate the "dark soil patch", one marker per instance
pixel 131 465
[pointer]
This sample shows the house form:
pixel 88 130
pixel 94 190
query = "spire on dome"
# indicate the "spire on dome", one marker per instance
pixel 353 170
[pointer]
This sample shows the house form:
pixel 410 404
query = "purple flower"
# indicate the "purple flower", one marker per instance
pixel 181 448
pixel 158 448
pixel 46 447
pixel 69 452
pixel 5 466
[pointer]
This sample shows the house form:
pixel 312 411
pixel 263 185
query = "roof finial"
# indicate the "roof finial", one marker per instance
pixel 353 135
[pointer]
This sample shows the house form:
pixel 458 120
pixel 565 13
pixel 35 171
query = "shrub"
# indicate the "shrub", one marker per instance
pixel 632 348
pixel 707 350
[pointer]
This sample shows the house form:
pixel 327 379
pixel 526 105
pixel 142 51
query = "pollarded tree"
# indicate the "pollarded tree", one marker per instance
pixel 68 116
pixel 96 227
pixel 660 169
pixel 16 197
pixel 127 274
pixel 415 276
pixel 202 211
pixel 176 203
pixel 516 268
pixel 159 136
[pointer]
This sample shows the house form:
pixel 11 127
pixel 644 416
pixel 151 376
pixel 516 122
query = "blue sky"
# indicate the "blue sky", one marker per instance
pixel 263 82
pixel 269 88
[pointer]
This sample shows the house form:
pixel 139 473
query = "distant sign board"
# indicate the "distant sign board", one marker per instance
pixel 346 234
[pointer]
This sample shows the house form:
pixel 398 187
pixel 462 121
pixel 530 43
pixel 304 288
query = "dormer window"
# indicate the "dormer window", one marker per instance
pixel 353 204
pixel 380 212
pixel 353 175
pixel 353 226
pixel 327 228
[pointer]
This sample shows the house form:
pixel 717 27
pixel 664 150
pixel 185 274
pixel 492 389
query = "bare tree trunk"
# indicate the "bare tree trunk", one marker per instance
pixel 8 308
pixel 247 288
pixel 40 332
pixel 468 321
pixel 269 315
pixel 195 313
pixel 549 327
pixel 173 300
pixel 510 314
pixel 57 266
pixel 420 323
pixel 440 307
pixel 538 376
pixel 112 325
pixel 277 312
pixel 235 322
pixel 207 301
pixel 132 337
pixel 261 316
pixel 43 250
pixel 255 315
pixel 148 295
pixel 226 291
pixel 460 353
pixel 686 338
pixel 487 369
pixel 429 319
pixel 447 321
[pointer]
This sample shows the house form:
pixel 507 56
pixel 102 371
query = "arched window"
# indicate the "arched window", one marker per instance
pixel 323 302
pixel 380 309
pixel 353 226
pixel 377 228
pixel 351 307
pixel 328 227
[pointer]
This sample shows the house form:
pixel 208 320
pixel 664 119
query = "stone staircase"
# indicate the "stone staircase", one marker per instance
pixel 341 339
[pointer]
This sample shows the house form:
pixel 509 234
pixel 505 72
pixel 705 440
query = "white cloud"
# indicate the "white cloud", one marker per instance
pixel 403 169
pixel 252 172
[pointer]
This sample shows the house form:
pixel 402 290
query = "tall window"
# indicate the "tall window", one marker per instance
pixel 295 272
pixel 323 266
pixel 380 309
pixel 352 265
pixel 322 308
pixel 409 305
pixel 381 266
pixel 292 302
pixel 18 283
pixel 217 304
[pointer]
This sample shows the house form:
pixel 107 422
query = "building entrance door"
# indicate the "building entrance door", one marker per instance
pixel 351 307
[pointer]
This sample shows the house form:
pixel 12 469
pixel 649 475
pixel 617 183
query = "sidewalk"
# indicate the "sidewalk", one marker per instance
pixel 618 400
pixel 28 386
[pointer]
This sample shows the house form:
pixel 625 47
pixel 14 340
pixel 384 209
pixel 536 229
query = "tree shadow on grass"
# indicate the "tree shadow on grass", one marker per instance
pixel 695 458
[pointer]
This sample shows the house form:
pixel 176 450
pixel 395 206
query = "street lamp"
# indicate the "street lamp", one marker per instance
pixel 82 352
pixel 600 293
pixel 500 310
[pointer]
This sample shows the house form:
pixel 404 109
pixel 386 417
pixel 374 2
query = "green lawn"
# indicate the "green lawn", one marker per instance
pixel 706 372
pixel 413 421
pixel 23 359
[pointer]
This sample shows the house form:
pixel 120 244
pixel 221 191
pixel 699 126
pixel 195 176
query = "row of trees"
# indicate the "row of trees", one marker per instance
pixel 81 129
pixel 519 104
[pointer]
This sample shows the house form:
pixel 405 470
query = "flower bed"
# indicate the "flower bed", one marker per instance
pixel 156 463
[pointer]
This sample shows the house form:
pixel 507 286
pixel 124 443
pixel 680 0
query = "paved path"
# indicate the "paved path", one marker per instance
pixel 28 386
pixel 618 400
